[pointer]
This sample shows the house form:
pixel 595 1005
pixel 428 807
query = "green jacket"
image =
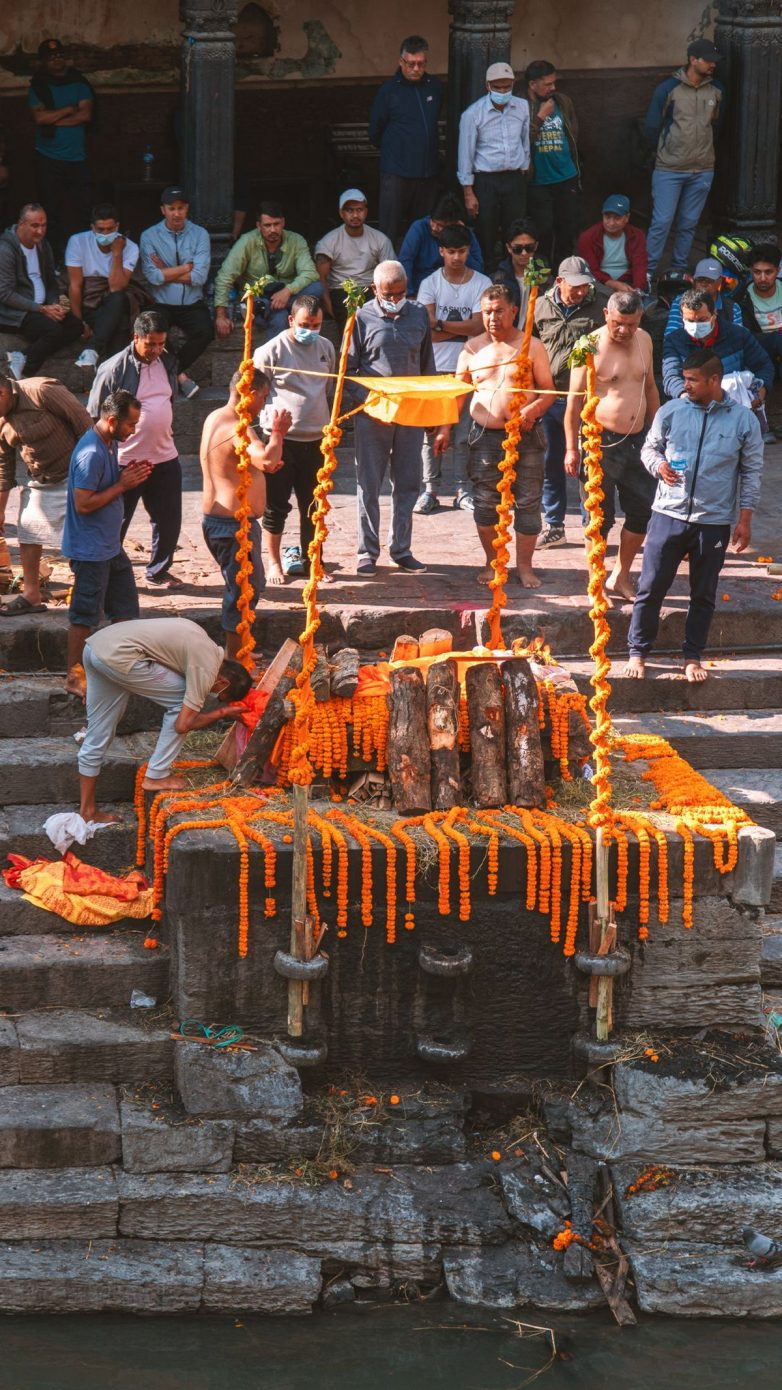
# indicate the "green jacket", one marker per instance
pixel 248 260
pixel 559 331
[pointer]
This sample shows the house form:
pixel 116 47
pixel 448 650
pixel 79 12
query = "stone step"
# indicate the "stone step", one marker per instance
pixel 44 770
pixel 35 706
pixel 775 901
pixel 22 832
pixel 122 1046
pixel 66 1126
pixel 734 683
pixel 771 953
pixel 758 791
pixel 79 972
pixel 751 739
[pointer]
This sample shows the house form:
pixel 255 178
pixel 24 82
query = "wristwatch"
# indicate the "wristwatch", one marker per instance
pixel 438 328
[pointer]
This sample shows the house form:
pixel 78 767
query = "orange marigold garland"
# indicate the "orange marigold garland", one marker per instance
pixel 600 814
pixel 243 545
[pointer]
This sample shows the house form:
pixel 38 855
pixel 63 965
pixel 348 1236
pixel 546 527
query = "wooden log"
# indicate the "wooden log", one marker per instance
pixel 264 736
pixel 320 680
pixel 228 753
pixel 487 734
pixel 408 743
pixel 405 648
pixel 442 717
pixel 434 641
pixel 526 776
pixel 344 673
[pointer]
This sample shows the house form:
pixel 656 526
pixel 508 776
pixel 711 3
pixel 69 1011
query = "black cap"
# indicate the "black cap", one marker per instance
pixel 704 48
pixel 50 48
pixel 174 194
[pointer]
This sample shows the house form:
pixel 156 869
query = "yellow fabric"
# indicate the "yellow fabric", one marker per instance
pixel 44 885
pixel 425 401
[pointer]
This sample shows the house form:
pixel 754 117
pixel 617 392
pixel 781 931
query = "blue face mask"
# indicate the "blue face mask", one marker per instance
pixel 389 306
pixel 698 328
pixel 105 238
pixel 500 98
pixel 305 335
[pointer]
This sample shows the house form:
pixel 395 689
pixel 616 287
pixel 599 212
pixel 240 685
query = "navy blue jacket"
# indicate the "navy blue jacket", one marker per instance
pixel 420 253
pixel 737 349
pixel 403 126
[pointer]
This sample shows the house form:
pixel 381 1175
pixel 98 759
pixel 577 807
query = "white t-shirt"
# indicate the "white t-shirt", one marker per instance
pixel 354 257
pixel 768 312
pixel 452 303
pixel 176 643
pixel 34 271
pixel 84 253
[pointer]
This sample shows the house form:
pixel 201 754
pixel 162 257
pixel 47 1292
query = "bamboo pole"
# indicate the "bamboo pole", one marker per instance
pixel 301 798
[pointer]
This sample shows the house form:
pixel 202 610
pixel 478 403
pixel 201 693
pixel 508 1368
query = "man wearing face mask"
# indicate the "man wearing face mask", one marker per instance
pixel 285 360
pixel 493 158
pixel 100 264
pixel 736 347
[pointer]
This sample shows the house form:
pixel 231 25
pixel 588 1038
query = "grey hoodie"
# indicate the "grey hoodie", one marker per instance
pixel 723 449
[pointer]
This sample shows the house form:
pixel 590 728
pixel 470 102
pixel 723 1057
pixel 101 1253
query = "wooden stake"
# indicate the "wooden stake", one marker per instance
pixel 227 754
pixel 301 800
pixel 605 985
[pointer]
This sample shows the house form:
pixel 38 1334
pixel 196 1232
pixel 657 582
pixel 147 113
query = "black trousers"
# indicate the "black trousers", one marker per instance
pixel 502 199
pixel 46 336
pixel 555 208
pixel 162 498
pixel 110 323
pixel 667 543
pixel 195 321
pixel 403 201
pixel 301 459
pixel 65 189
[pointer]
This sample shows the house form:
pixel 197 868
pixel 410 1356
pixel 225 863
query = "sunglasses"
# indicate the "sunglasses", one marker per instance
pixel 519 247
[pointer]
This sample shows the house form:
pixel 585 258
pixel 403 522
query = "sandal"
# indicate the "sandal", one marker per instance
pixel 20 606
pixel 292 560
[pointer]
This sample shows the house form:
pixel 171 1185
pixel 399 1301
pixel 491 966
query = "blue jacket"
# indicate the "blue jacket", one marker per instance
pixel 191 244
pixel 726 306
pixel 736 348
pixel 723 448
pixel 420 254
pixel 403 126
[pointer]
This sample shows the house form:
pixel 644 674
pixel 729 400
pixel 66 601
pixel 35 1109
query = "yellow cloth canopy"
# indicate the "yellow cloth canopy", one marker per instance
pixel 413 400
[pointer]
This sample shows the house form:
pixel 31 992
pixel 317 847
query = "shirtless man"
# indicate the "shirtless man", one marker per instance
pixel 221 479
pixel 628 402
pixel 489 361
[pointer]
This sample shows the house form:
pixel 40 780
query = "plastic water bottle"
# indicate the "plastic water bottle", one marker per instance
pixel 148 162
pixel 679 466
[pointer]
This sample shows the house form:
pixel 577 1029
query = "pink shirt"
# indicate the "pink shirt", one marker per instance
pixel 153 440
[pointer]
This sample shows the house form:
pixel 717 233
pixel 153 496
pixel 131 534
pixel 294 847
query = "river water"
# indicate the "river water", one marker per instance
pixel 386 1348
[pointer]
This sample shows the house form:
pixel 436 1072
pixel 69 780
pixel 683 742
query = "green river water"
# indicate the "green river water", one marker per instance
pixel 385 1348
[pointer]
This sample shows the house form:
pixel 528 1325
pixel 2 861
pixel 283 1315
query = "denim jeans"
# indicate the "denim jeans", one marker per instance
pixel 677 201
pixel 668 542
pixel 276 320
pixel 554 479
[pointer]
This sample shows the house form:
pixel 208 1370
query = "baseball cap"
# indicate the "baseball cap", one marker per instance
pixel 575 271
pixel 498 72
pixel 617 203
pixel 708 269
pixel 174 194
pixel 704 48
pixel 351 195
pixel 49 48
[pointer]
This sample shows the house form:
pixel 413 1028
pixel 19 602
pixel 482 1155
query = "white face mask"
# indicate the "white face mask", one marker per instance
pixel 389 306
pixel 698 328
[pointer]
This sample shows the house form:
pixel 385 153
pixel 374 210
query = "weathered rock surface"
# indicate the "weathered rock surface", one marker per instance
pixel 74 1045
pixel 675 1099
pixel 68 1126
pixel 9 1053
pixel 514 1276
pixel 155 1142
pixel 259 1281
pixel 79 971
pixel 533 1200
pixel 219 1083
pixel 631 1138
pixel 264 1141
pixel 72 1203
pixel 698 1281
pixel 411 1205
pixel 129 1276
pixel 701 1205
pixel 774 1138
pixel 381 1266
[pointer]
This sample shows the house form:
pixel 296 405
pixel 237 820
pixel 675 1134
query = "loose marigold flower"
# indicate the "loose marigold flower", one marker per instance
pixel 496 1155
pixel 333 1174
pixel 393 1100
pixel 151 943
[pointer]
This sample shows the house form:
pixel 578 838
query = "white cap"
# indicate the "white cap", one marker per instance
pixel 351 195
pixel 498 72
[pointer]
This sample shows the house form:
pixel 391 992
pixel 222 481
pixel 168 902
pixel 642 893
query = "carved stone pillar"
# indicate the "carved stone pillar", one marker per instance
pixel 749 34
pixel 208 65
pixel 480 35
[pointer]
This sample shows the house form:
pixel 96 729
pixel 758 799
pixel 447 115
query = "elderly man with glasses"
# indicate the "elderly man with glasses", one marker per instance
pixel 403 126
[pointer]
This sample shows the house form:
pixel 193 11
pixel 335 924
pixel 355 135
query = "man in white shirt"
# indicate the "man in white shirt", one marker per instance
pixel 29 294
pixel 285 360
pixel 350 252
pixel 493 157
pixel 100 263
pixel 452 298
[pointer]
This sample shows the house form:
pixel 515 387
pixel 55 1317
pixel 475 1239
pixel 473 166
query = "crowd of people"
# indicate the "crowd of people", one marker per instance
pixel 447 280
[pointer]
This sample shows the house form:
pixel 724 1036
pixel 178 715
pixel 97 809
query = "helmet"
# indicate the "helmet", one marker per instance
pixel 731 251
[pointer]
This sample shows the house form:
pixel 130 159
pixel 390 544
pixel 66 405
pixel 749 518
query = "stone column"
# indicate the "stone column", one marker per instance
pixel 749 34
pixel 480 35
pixel 207 114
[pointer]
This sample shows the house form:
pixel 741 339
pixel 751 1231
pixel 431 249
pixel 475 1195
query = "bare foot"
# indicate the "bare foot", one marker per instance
pixel 100 817
pixel 164 784
pixel 485 575
pixel 620 586
pixel 635 668
pixel 528 578
pixel 694 672
pixel 275 574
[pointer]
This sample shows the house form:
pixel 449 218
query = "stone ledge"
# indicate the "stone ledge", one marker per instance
pixel 68 1126
pixel 700 1204
pixel 697 1281
pixel 259 1281
pixel 155 1142
pixel 516 1276
pixel 101 1276
pixel 74 1203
